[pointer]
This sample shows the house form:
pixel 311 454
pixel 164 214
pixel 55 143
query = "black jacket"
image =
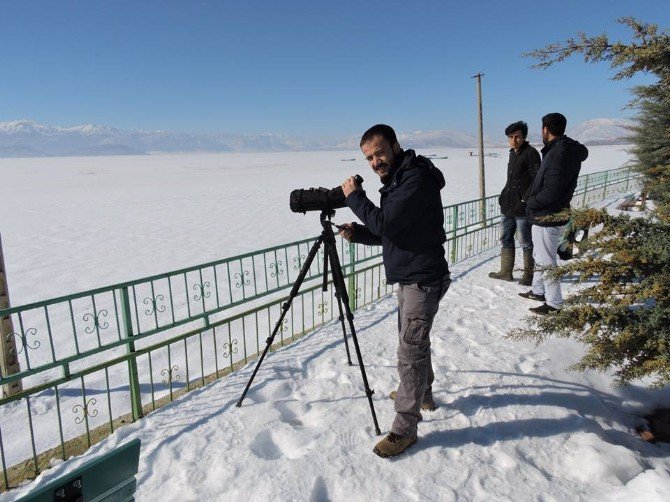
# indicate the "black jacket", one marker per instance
pixel 521 170
pixel 410 223
pixel 555 182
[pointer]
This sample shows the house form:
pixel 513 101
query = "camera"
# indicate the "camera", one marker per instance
pixel 318 199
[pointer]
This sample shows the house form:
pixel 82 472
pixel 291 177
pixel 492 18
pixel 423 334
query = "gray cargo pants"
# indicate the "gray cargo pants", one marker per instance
pixel 417 306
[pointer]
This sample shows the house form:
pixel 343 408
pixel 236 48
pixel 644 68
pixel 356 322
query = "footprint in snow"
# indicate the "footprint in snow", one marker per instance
pixel 281 442
pixel 526 365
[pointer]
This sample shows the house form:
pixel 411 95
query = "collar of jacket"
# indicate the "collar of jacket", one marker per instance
pixel 523 146
pixel 410 161
pixel 551 144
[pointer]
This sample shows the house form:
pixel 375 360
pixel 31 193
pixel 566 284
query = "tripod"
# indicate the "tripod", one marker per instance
pixel 327 238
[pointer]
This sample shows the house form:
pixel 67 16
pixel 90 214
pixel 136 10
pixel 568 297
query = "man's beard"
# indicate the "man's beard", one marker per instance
pixel 390 172
pixel 386 178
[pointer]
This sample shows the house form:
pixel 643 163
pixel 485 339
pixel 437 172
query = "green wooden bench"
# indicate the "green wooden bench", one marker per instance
pixel 110 477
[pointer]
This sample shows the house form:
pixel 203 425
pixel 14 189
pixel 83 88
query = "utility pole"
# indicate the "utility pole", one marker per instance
pixel 482 181
pixel 9 361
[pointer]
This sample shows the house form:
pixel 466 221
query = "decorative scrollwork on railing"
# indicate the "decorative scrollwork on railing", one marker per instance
pixel 322 308
pixel 85 409
pixel 154 306
pixel 243 281
pixel 276 269
pixel 96 321
pixel 357 293
pixel 468 251
pixel 298 261
pixel 23 338
pixel 171 374
pixel 200 291
pixel 230 348
pixel 61 494
pixel 283 327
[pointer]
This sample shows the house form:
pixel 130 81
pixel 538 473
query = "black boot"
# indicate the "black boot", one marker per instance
pixel 528 268
pixel 506 265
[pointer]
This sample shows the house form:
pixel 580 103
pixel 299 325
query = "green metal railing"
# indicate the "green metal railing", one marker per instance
pixel 94 360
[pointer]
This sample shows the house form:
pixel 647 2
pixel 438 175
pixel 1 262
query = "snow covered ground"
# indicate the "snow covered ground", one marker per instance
pixel 513 424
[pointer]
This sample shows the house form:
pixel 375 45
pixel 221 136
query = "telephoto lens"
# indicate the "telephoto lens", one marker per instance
pixel 319 199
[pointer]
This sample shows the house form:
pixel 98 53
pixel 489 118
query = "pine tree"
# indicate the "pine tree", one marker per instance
pixel 624 317
pixel 651 137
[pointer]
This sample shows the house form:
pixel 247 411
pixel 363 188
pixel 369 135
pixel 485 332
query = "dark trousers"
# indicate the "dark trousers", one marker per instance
pixel 509 226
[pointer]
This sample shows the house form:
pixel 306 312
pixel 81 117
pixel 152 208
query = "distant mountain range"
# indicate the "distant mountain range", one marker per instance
pixel 26 138
pixel 603 132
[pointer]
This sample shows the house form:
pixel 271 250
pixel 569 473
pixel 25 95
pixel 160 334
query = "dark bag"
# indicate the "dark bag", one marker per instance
pixel 572 235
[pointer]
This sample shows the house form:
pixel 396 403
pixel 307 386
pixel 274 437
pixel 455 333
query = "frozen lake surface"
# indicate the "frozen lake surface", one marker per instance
pixel 75 223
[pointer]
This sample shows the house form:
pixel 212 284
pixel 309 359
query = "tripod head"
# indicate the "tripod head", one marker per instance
pixel 325 220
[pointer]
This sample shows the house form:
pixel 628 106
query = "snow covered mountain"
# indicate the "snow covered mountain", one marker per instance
pixel 419 139
pixel 602 131
pixel 26 138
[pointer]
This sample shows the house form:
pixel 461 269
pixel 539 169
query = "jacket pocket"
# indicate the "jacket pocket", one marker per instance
pixel 519 204
pixel 503 199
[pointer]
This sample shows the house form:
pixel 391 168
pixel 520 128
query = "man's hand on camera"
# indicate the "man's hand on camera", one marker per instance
pixel 349 186
pixel 347 231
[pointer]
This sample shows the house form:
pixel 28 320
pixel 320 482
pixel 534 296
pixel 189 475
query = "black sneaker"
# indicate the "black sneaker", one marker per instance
pixel 532 296
pixel 543 309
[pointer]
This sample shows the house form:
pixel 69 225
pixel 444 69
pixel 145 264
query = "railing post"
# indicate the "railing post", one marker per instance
pixel 453 235
pixel 586 189
pixel 133 378
pixel 9 361
pixel 482 201
pixel 605 188
pixel 353 296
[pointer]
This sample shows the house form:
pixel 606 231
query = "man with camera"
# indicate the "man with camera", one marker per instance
pixel 409 225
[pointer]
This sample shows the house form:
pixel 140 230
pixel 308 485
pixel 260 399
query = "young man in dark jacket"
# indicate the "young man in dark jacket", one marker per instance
pixel 548 207
pixel 409 225
pixel 524 162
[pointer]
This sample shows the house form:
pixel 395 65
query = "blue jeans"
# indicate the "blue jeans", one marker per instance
pixel 508 227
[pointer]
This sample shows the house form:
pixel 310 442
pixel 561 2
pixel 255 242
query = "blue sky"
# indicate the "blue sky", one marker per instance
pixel 310 68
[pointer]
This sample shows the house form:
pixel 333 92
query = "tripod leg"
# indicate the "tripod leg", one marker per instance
pixel 344 329
pixel 341 289
pixel 287 305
